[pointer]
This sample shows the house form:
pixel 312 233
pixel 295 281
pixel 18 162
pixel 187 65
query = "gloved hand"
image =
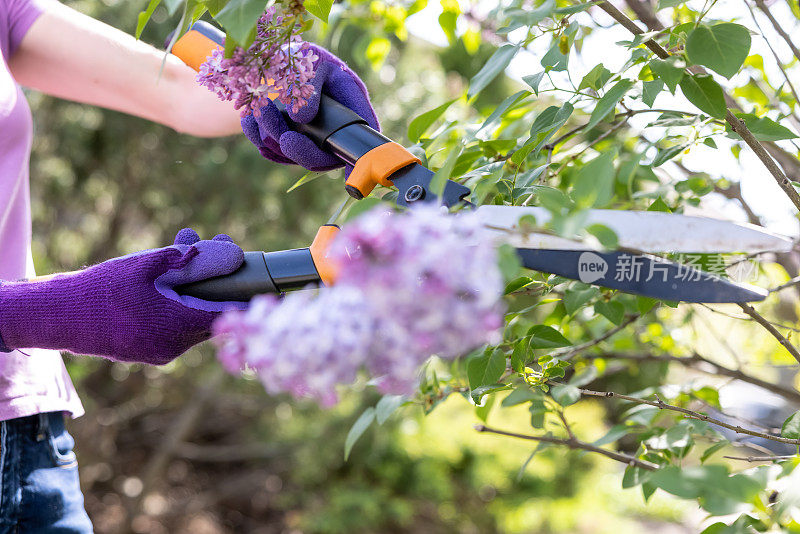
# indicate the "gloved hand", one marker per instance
pixel 276 142
pixel 124 309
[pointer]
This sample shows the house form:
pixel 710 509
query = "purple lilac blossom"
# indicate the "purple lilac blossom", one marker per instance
pixel 277 62
pixel 411 285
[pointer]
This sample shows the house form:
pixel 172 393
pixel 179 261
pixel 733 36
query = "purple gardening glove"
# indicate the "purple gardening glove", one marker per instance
pixel 124 309
pixel 276 142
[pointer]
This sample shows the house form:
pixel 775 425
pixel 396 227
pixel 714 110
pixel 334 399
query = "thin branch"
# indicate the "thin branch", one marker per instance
pixel 730 315
pixel 570 352
pixel 599 138
pixel 761 458
pixel 629 113
pixel 757 317
pixel 791 283
pixel 691 414
pixel 785 36
pixel 774 55
pixel 565 424
pixel 702 364
pixel 736 124
pixel 575 444
pixel 645 13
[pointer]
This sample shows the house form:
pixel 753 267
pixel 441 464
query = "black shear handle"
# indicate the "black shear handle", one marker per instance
pixel 261 272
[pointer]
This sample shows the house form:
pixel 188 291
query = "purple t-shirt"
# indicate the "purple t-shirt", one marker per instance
pixel 35 380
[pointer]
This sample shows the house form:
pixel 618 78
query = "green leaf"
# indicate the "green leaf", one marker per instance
pixel 651 90
pixel 519 356
pixel 595 78
pixel 791 427
pixel 483 410
pixel 537 410
pixel 144 17
pixel 605 235
pixel 594 182
pixel 449 18
pixel 546 124
pixel 173 5
pixel 486 369
pixel 764 128
pixel 533 81
pixel 520 395
pixel 508 261
pixel 555 59
pixel 538 14
pixel 517 284
pixel 310 176
pixel 645 304
pixel 496 64
pixel 666 154
pixel 422 122
pixel 500 110
pixel 634 476
pixel 722 47
pixel 358 428
pixel 667 71
pixel 214 6
pixel 712 450
pixel 574 299
pixel 710 142
pixel 659 205
pixel 565 394
pixel 663 4
pixel 613 434
pixel 319 8
pixel 444 172
pixel 705 93
pixel 239 18
pixel 387 406
pixel 683 482
pixel 612 310
pixel 609 101
pixel 547 337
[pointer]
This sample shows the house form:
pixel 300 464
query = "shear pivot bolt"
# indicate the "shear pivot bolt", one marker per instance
pixel 414 193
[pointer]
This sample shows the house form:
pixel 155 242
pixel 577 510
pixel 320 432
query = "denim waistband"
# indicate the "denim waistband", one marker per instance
pixel 36 425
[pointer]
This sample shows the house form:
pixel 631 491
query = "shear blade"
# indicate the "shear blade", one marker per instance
pixel 649 231
pixel 648 276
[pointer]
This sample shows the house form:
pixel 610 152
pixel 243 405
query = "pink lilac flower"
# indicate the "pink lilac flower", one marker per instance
pixel 277 62
pixel 411 285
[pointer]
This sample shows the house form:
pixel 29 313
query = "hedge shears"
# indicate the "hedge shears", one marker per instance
pixel 377 160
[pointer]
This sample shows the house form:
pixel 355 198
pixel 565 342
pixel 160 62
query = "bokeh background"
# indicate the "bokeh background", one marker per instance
pixel 186 448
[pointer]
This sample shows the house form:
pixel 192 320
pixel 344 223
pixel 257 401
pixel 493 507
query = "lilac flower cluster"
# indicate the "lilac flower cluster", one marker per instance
pixel 277 62
pixel 410 286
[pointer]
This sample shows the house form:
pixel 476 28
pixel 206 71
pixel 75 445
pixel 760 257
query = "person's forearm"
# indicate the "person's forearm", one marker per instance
pixel 72 56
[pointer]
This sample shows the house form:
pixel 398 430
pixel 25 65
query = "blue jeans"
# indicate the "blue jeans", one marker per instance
pixel 39 491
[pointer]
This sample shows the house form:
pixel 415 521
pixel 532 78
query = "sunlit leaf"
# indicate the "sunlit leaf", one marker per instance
pixel 496 64
pixel 722 47
pixel 764 128
pixel 319 8
pixel 547 337
pixel 486 369
pixel 609 101
pixel 705 93
pixel 358 428
pixel 239 17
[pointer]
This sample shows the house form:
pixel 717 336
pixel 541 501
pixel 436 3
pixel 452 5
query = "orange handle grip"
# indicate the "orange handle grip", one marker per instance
pixel 194 48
